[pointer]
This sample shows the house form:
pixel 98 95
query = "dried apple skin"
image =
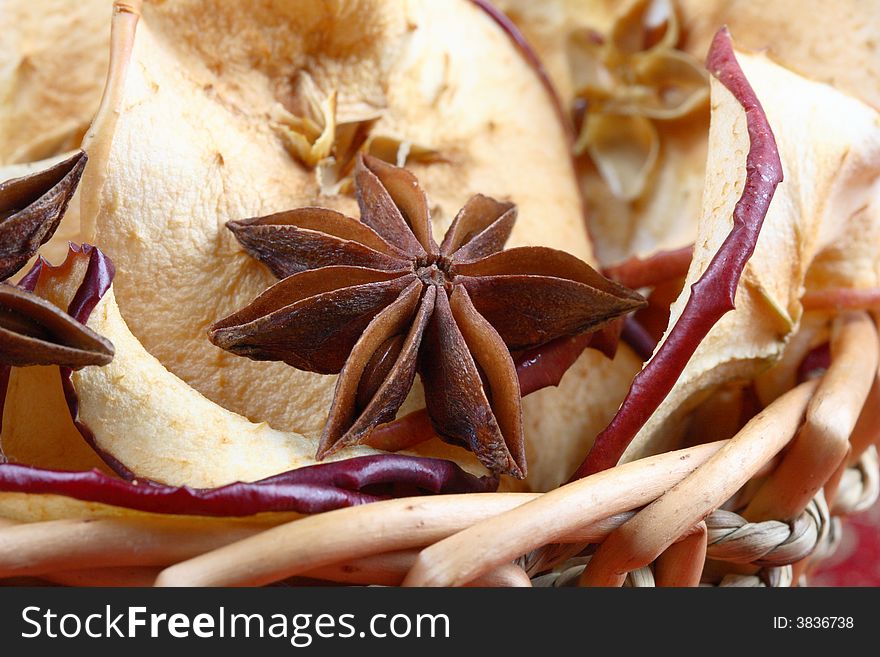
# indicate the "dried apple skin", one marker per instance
pixel 312 489
pixel 713 295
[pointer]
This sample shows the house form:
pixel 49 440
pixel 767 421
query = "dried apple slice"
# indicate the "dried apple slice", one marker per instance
pixel 677 84
pixel 624 149
pixel 37 428
pixel 829 146
pixel 53 63
pixel 257 175
pixel 39 448
pixel 394 60
pixel 831 42
pixel 823 41
pixel 621 57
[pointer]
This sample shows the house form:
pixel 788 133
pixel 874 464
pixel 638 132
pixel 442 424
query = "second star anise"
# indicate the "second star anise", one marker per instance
pixel 34 331
pixel 377 300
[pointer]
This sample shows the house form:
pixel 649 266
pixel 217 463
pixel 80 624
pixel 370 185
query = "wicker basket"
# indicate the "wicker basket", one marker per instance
pixel 760 509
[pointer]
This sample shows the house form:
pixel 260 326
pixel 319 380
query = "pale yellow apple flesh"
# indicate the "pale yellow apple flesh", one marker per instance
pixel 53 63
pixel 37 427
pixel 831 42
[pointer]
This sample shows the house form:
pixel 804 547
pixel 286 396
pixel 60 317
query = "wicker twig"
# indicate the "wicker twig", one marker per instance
pixel 389 570
pixel 729 537
pixel 867 429
pixel 381 569
pixel 681 564
pixel 860 485
pixel 548 557
pixel 830 541
pixel 552 517
pixel 823 441
pixel 45 547
pixel 640 578
pixel 125 576
pixel 833 482
pixel 338 536
pixel 780 577
pixel 642 539
pixel 732 538
pixel 344 534
pixel 570 573
pixel 567 576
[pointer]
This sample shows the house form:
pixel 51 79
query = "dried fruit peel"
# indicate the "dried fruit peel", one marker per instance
pixel 308 490
pixel 39 507
pixel 830 181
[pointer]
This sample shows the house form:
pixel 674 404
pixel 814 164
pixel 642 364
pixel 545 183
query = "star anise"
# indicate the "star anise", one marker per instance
pixel 33 331
pixel 377 300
